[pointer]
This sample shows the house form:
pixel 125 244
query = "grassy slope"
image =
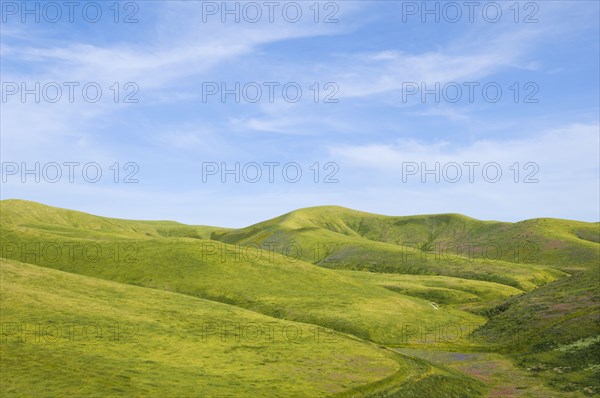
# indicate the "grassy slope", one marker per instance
pixel 501 375
pixel 163 348
pixel 340 238
pixel 558 329
pixel 32 217
pixel 370 242
pixel 537 256
pixel 272 285
pixel 465 294
pixel 547 242
pixel 130 341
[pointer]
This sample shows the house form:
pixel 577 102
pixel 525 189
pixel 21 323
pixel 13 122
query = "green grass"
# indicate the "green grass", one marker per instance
pixel 169 344
pixel 271 284
pixel 340 238
pixel 547 242
pixel 430 381
pixel 501 376
pixel 99 338
pixel 35 219
pixel 533 313
pixel 558 327
pixel 289 290
pixel 465 294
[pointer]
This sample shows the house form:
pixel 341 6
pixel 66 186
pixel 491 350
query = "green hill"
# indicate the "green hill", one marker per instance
pixel 35 218
pixel 450 245
pixel 69 335
pixel 563 244
pixel 266 282
pixel 524 293
pixel 558 329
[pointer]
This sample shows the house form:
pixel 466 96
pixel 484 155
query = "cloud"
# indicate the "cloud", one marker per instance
pixel 561 149
pixel 386 71
pixel 166 65
pixel 557 174
pixel 169 132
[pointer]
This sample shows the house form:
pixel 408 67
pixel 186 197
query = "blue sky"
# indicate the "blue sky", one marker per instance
pixel 369 133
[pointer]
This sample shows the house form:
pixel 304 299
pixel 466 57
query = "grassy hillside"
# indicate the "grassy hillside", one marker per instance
pixel 500 375
pixel 547 242
pixel 35 218
pixel 524 293
pixel 270 283
pixel 465 294
pixel 339 238
pixel 558 329
pixel 103 338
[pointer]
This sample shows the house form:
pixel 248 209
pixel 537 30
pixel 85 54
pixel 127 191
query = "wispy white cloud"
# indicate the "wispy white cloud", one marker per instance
pixel 173 52
pixel 561 148
pixel 165 67
pixel 566 160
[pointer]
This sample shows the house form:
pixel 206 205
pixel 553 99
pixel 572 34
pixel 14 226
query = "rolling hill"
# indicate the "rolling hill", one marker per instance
pixel 526 292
